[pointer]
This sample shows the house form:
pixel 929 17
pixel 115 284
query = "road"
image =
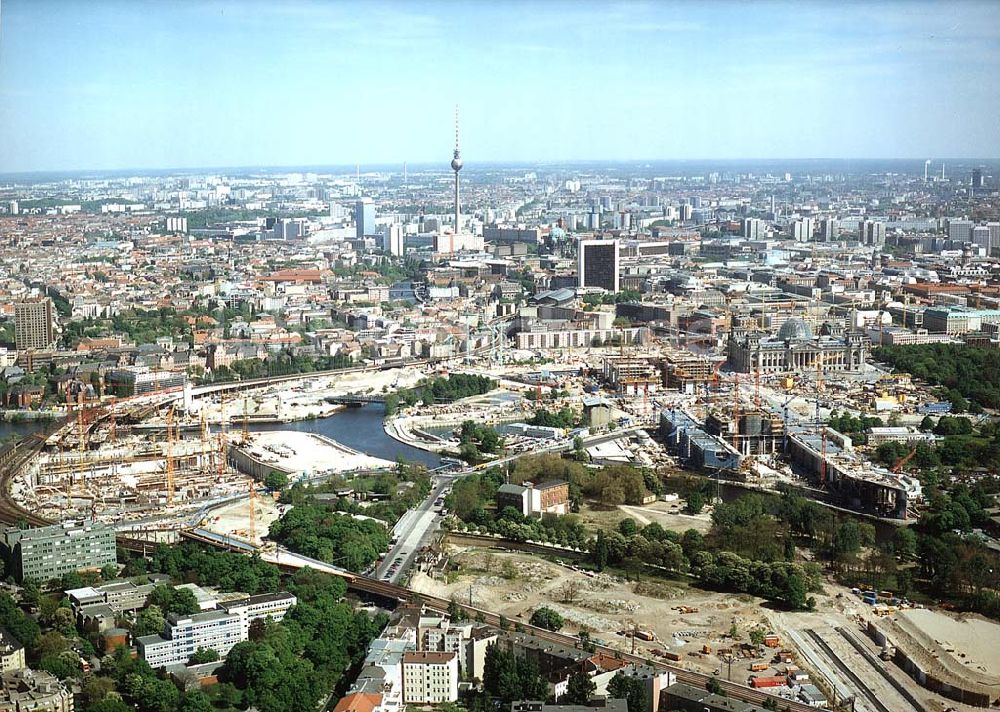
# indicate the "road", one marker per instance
pixel 414 530
pixel 419 526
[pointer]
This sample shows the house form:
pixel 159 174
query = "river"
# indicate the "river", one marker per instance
pixel 360 429
pixel 357 428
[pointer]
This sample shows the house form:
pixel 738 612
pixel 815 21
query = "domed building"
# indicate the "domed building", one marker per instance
pixel 794 329
pixel 796 348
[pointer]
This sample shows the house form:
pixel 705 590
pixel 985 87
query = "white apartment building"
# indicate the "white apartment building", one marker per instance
pixel 265 605
pixel 182 637
pixel 430 677
pixel 219 630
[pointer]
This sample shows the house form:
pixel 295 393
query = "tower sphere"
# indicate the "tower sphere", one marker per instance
pixel 456 164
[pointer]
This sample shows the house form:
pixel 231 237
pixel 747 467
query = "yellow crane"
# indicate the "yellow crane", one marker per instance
pixel 170 455
pixel 81 434
pixel 253 513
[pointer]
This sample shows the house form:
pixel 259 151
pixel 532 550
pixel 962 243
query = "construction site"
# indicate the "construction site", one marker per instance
pixel 100 465
pixel 152 466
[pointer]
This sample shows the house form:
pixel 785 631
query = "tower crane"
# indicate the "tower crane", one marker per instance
pixel 253 513
pixel 170 455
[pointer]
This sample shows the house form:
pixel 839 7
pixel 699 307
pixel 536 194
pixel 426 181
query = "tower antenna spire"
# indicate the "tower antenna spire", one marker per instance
pixel 456 166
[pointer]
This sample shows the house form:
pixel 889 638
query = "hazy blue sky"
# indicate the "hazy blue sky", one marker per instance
pixel 133 83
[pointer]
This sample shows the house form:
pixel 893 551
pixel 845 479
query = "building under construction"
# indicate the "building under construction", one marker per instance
pixel 683 370
pixel 754 432
pixel 95 466
pixel 632 376
pixel 861 486
pixel 695 447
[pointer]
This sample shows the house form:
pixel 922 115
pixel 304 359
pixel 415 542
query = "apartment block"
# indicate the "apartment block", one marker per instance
pixel 219 629
pixel 49 552
pixel 430 677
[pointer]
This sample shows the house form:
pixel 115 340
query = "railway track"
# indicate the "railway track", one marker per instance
pixel 862 688
pixel 392 592
pixel 13 458
pixel 880 667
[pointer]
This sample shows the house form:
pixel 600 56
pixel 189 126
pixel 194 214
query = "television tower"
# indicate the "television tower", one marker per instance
pixel 456 165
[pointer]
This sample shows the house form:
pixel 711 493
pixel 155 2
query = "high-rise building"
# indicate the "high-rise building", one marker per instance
pixel 364 217
pixel 960 230
pixel 49 552
pixel 977 178
pixel 752 228
pixel 686 211
pixel 13 208
pixel 430 677
pixel 597 264
pixel 392 239
pixel 981 237
pixel 871 233
pixel 219 629
pixel 828 230
pixel 994 228
pixel 34 326
pixel 802 230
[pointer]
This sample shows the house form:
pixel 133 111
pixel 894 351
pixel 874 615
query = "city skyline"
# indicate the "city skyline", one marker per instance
pixel 208 84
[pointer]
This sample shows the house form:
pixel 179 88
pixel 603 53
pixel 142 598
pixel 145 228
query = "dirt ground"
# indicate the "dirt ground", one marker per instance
pixel 234 519
pixel 517 584
pixel 667 514
pixel 969 640
pixel 605 605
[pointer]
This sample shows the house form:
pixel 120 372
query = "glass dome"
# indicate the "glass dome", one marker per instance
pixel 794 329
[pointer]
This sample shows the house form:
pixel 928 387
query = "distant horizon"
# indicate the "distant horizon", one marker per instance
pixel 475 166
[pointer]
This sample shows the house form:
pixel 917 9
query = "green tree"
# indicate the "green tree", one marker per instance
pixel 546 618
pixel 904 541
pixel 695 503
pixel 630 689
pixel 203 655
pixel 276 481
pixel 578 690
pixel 173 600
pixel 62 665
pixel 196 701
pixel 149 621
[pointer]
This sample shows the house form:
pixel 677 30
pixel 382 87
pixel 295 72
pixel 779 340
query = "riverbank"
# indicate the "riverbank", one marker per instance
pixel 307 455
pixel 31 416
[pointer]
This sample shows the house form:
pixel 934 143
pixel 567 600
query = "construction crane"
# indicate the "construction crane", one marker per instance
pixel 223 430
pixel 81 436
pixel 736 412
pixel 170 455
pixel 819 422
pixel 253 513
pixel 246 421
pixel 204 440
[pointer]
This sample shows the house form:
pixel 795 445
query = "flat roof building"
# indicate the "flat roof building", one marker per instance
pixel 49 552
pixel 34 325
pixel 597 264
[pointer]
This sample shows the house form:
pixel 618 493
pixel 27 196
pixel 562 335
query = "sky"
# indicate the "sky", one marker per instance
pixel 131 84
